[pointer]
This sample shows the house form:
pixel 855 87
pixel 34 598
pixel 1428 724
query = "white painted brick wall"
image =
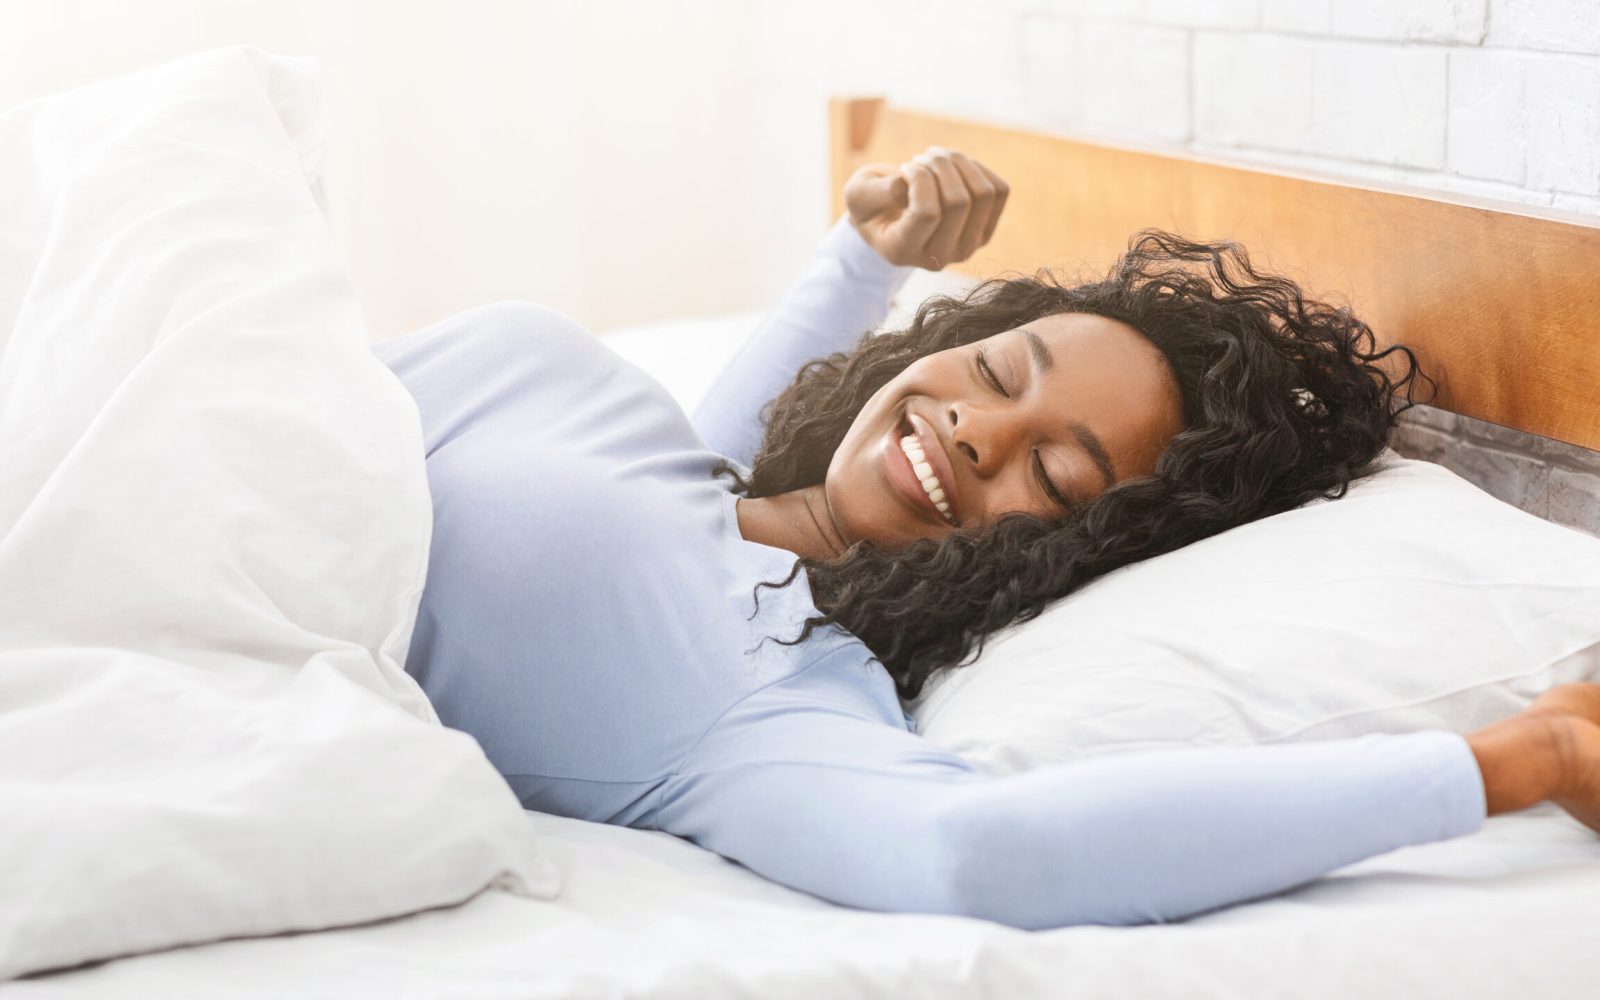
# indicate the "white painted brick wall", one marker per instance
pixel 1383 103
pixel 1050 68
pixel 1492 98
pixel 1563 96
pixel 1457 21
pixel 1546 25
pixel 1313 17
pixel 1205 13
pixel 1253 90
pixel 1133 79
pixel 1488 126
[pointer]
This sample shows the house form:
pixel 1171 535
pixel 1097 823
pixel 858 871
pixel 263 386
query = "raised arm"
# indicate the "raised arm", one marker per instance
pixel 935 210
pixel 839 802
pixel 844 294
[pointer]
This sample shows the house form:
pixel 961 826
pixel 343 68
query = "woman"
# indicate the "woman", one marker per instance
pixel 704 629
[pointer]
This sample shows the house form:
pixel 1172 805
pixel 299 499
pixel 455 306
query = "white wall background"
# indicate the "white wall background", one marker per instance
pixel 626 160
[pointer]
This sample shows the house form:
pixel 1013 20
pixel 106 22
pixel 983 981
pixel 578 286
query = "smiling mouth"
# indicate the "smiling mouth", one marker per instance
pixel 922 470
pixel 926 476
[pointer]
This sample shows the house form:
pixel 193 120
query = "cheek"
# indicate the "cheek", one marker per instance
pixel 861 501
pixel 852 486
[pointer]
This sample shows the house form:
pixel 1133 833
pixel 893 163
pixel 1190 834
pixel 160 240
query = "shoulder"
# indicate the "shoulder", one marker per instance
pixel 513 330
pixel 488 337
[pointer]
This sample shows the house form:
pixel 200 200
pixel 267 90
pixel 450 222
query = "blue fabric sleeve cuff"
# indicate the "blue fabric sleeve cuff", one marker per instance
pixel 846 245
pixel 1457 782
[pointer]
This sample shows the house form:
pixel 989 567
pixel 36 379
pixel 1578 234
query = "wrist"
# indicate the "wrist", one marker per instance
pixel 845 243
pixel 1523 760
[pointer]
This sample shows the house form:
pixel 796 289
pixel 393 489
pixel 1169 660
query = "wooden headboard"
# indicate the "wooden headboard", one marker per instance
pixel 1501 303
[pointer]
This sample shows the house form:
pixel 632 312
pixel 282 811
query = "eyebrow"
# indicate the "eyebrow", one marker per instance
pixel 1097 452
pixel 1042 358
pixel 1043 361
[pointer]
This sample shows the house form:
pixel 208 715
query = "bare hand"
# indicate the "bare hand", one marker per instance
pixel 936 209
pixel 1551 750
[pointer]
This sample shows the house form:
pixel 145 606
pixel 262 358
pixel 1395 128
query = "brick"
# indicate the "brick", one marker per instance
pixel 1380 103
pixel 1549 25
pixel 1313 17
pixel 1563 95
pixel 955 57
pixel 1233 14
pixel 1133 80
pixel 1049 66
pixel 1458 21
pixel 1252 90
pixel 1488 134
pixel 1574 499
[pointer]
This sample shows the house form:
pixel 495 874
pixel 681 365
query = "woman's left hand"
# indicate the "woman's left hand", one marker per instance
pixel 936 209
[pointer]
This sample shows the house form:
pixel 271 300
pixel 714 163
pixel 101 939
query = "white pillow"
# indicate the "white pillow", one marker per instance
pixel 1417 601
pixel 214 526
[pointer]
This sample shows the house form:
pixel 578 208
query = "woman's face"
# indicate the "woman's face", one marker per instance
pixel 1059 408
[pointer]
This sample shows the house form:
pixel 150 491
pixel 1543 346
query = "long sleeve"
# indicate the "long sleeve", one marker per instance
pixel 845 294
pixel 831 800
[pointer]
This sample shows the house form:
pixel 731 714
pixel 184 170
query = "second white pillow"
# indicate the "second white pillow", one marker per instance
pixel 1417 601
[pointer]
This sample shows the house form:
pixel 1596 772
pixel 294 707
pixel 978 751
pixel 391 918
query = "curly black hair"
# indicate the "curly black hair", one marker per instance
pixel 1285 399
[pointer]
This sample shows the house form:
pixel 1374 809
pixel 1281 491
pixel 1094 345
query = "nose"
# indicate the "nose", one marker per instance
pixel 986 437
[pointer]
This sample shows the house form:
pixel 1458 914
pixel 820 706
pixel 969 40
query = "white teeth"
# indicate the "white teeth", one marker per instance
pixel 924 472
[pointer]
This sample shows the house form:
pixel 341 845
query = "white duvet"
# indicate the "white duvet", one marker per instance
pixel 214 525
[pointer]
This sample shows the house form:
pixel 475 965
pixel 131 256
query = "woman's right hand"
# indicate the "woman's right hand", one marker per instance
pixel 1549 751
pixel 936 209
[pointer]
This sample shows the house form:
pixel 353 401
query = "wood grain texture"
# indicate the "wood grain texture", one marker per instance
pixel 1500 302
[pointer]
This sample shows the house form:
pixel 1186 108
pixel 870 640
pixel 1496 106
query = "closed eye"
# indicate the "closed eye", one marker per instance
pixel 1050 487
pixel 988 373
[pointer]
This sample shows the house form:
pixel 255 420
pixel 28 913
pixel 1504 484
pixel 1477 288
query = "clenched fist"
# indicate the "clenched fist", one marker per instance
pixel 936 209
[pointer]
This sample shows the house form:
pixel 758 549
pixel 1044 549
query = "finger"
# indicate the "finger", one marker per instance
pixel 979 218
pixel 1002 191
pixel 955 204
pixel 873 190
pixel 921 218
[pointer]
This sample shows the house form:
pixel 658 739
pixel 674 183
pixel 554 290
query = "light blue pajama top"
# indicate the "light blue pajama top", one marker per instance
pixel 587 617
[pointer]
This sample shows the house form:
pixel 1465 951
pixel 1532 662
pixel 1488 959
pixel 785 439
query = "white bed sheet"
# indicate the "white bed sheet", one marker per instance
pixel 1511 911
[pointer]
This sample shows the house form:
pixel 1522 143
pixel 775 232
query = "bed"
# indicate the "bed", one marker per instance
pixel 1514 909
